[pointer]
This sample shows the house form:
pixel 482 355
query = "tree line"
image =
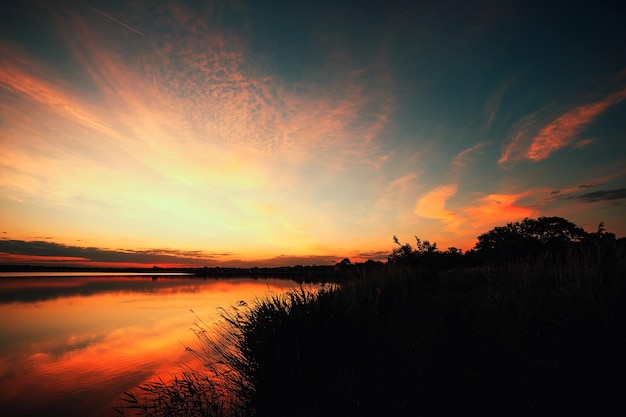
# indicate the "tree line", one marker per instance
pixel 548 237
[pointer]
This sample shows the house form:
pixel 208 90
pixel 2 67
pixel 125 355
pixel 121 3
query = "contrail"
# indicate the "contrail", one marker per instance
pixel 114 19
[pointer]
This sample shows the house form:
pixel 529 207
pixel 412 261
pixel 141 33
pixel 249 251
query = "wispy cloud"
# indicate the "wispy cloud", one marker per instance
pixel 467 155
pixel 562 131
pixel 492 104
pixel 395 190
pixel 530 140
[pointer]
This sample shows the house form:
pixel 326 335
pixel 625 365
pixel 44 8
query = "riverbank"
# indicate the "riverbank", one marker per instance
pixel 528 337
pixel 299 273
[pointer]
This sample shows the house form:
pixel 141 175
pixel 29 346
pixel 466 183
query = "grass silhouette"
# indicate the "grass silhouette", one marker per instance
pixel 531 336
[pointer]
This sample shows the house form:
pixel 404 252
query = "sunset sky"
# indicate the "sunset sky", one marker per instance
pixel 243 133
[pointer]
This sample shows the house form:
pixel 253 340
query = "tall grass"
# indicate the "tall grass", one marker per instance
pixel 190 393
pixel 533 337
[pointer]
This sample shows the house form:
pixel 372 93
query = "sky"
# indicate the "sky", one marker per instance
pixel 265 133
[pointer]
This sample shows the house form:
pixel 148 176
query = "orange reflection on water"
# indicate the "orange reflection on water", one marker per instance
pixel 77 352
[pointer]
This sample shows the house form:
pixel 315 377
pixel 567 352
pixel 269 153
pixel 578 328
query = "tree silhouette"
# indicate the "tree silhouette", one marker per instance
pixel 424 255
pixel 529 237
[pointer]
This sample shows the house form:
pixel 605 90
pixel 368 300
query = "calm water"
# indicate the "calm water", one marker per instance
pixel 71 345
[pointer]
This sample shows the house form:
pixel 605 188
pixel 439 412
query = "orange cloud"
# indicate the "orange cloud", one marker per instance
pixel 463 223
pixel 561 132
pixel 432 204
pixel 497 209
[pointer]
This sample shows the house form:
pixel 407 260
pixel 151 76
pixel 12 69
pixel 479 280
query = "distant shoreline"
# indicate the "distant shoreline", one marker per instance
pixel 317 273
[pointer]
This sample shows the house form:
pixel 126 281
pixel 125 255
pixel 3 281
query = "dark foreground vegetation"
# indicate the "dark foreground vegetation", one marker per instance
pixel 531 322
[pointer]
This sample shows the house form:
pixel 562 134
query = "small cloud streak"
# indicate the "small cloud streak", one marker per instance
pixel 574 192
pixel 527 143
pixel 115 20
pixel 492 105
pixel 583 143
pixel 467 155
pixel 395 190
pixel 602 195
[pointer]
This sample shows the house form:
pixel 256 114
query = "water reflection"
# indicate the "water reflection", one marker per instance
pixel 70 346
pixel 37 288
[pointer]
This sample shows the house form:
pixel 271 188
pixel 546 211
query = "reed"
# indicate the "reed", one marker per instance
pixel 527 337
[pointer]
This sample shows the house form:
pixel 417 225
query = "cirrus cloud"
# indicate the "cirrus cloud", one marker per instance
pixel 533 142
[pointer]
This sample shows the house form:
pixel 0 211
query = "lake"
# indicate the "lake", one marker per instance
pixel 70 345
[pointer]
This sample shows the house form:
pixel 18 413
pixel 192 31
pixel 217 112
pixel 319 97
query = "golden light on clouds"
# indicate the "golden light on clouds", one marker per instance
pixel 190 141
pixel 432 204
